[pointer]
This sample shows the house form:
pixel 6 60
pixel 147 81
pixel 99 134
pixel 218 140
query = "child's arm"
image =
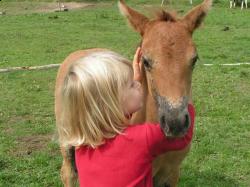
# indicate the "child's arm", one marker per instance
pixel 158 143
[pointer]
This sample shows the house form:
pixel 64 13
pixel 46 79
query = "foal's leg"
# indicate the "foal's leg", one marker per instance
pixel 175 175
pixel 68 173
pixel 167 176
pixel 172 173
pixel 166 168
pixel 246 3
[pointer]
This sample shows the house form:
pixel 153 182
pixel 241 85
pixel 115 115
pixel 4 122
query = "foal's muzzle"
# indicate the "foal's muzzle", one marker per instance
pixel 174 121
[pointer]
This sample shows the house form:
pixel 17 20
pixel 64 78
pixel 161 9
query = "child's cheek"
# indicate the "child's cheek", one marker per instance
pixel 135 102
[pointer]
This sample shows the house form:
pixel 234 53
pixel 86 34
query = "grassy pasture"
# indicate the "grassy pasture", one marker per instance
pixel 29 155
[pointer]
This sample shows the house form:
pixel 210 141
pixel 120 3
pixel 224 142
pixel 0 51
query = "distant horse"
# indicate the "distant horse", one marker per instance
pixel 168 55
pixel 162 2
pixel 233 3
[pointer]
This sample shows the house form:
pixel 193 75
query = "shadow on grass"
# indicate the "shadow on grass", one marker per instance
pixel 205 178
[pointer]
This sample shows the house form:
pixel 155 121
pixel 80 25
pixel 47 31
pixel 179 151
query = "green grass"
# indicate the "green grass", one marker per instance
pixel 29 156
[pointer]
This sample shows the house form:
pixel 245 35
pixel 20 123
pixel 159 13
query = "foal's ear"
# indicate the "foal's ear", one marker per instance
pixel 194 18
pixel 137 20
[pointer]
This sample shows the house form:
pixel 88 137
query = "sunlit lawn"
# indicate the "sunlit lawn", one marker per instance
pixel 29 154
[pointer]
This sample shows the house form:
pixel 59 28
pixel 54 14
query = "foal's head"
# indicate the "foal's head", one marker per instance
pixel 169 56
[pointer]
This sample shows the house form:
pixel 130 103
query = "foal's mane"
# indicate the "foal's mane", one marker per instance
pixel 163 15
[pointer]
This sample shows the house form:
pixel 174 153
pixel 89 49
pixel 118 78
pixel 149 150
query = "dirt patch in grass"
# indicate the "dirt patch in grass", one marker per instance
pixel 8 131
pixel 15 119
pixel 51 7
pixel 28 144
pixel 16 8
pixel 243 88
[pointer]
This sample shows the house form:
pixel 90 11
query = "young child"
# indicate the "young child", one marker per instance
pixel 98 97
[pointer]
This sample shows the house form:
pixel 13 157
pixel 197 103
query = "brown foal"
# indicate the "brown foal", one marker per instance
pixel 168 56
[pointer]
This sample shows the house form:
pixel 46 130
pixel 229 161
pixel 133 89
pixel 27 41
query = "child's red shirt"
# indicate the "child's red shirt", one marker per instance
pixel 126 160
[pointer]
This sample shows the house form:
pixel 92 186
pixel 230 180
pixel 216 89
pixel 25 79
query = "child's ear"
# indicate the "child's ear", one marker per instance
pixel 137 20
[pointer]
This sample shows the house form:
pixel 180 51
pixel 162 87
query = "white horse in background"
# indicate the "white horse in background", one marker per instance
pixel 162 2
pixel 233 3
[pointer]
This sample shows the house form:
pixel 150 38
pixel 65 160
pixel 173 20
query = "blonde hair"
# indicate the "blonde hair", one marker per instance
pixel 91 103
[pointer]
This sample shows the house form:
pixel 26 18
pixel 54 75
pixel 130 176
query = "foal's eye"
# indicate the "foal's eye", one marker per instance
pixel 146 63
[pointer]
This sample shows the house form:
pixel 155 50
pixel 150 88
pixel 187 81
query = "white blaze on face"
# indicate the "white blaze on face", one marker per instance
pixel 174 103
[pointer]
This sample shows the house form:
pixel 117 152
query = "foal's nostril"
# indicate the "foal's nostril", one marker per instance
pixel 162 121
pixel 186 123
pixel 164 124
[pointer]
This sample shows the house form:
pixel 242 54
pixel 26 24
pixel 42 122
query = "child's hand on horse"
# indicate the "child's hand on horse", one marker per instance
pixel 137 65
